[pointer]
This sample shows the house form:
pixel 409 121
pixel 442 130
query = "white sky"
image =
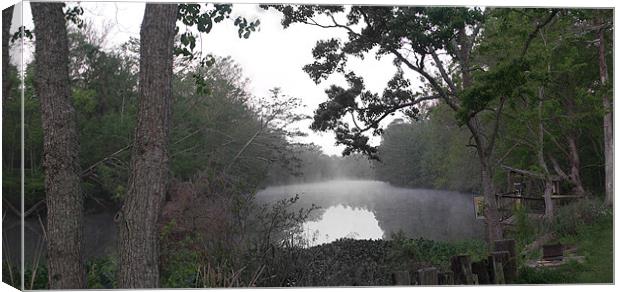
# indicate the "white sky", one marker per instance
pixel 271 57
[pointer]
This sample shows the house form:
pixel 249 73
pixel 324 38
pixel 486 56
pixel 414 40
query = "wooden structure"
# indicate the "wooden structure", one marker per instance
pixel 525 188
pixel 499 268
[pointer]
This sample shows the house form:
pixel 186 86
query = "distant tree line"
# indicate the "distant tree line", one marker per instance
pixel 316 166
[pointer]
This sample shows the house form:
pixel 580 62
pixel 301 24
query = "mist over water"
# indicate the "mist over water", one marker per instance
pixel 367 209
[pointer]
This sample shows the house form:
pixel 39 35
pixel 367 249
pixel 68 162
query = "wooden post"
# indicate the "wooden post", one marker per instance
pixel 481 269
pixel 496 262
pixel 401 278
pixel 461 266
pixel 428 276
pixel 510 187
pixel 446 278
pixel 475 278
pixel 510 265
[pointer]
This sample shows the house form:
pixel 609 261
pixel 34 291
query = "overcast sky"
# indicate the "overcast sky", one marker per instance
pixel 271 57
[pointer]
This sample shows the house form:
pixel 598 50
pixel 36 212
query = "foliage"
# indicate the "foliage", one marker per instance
pixel 194 16
pixel 312 165
pixel 434 253
pixel 101 273
pixel 428 153
pixel 593 240
pixel 525 230
pixel 236 251
pixel 392 31
pixel 571 218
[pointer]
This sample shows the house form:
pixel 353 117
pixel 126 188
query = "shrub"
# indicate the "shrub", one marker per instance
pixel 569 218
pixel 101 273
pixel 435 253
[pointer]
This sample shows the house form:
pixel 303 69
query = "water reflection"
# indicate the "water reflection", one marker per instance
pixel 432 214
pixel 343 222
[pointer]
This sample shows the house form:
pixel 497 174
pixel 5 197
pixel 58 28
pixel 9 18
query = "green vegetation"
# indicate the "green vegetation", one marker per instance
pixel 588 226
pixel 433 253
pixel 524 88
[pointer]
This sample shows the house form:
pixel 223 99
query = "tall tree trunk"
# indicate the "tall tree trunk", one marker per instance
pixel 494 228
pixel 7 16
pixel 491 212
pixel 540 155
pixel 607 123
pixel 60 149
pixel 138 232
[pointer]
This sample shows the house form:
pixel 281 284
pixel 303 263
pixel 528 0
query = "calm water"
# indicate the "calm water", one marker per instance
pixel 373 209
pixel 351 209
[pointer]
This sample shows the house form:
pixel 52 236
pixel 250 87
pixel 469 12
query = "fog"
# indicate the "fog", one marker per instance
pixel 431 214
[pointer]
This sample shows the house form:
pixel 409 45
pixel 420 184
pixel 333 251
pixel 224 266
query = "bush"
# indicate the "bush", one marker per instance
pixel 564 274
pixel 435 253
pixel 569 218
pixel 101 273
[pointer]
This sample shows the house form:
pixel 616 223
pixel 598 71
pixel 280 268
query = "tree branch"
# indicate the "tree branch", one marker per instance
pixel 532 35
pixel 443 72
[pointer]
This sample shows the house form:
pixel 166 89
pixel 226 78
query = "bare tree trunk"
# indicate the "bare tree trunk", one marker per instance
pixel 540 154
pixel 607 124
pixel 548 191
pixel 60 149
pixel 138 231
pixel 7 16
pixel 575 165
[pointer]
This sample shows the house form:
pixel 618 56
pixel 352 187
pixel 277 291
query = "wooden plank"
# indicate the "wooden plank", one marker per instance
pixel 481 269
pixel 566 196
pixel 523 171
pixel 475 279
pixel 461 266
pixel 496 262
pixel 401 278
pixel 553 251
pixel 521 197
pixel 446 278
pixel 510 266
pixel 428 276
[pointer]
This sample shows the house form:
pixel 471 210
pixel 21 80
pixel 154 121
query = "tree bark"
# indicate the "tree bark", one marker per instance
pixel 7 16
pixel 575 165
pixel 138 232
pixel 494 228
pixel 540 154
pixel 483 146
pixel 60 149
pixel 607 123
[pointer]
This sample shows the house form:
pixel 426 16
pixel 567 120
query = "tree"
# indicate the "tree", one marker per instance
pixel 138 229
pixel 413 35
pixel 608 117
pixel 428 153
pixel 60 149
